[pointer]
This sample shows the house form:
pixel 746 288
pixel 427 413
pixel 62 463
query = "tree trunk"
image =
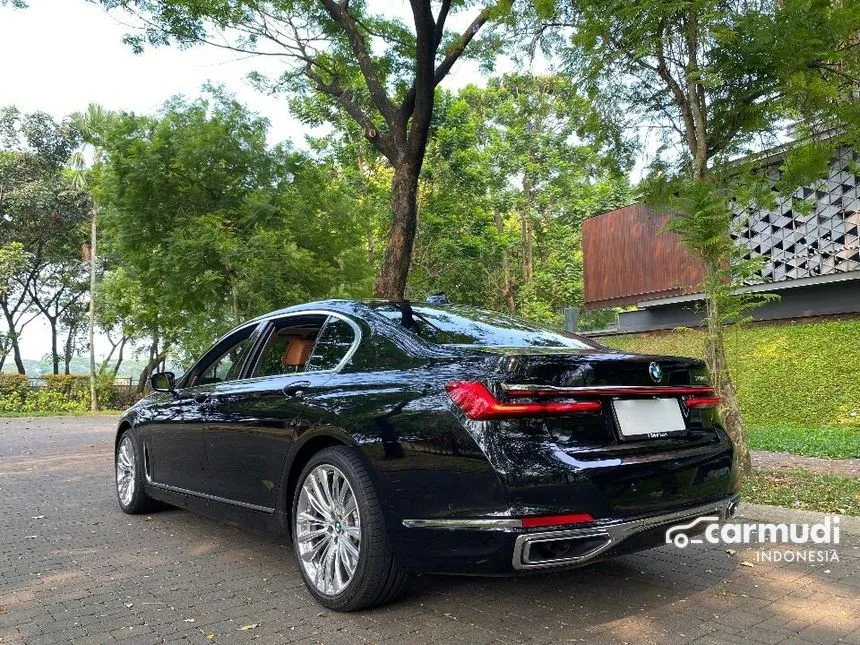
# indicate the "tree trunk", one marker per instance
pixel 92 313
pixel 507 288
pixel 13 338
pixel 68 349
pixel 528 248
pixel 55 355
pixel 154 359
pixel 119 357
pixel 715 356
pixel 391 279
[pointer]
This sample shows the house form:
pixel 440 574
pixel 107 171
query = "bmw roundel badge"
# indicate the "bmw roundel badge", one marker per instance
pixel 656 372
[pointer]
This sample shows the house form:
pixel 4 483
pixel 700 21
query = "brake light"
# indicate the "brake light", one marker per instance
pixel 706 400
pixel 479 404
pixel 556 520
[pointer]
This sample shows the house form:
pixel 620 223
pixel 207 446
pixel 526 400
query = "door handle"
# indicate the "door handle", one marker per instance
pixel 201 398
pixel 294 389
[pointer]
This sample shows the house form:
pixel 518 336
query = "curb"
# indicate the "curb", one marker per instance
pixel 849 524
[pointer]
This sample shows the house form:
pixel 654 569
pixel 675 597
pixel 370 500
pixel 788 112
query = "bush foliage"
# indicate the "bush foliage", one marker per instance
pixel 792 378
pixel 58 394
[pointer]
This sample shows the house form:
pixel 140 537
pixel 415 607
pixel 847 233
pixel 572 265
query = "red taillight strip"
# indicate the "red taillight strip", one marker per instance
pixel 556 520
pixel 479 404
pixel 520 391
pixel 701 402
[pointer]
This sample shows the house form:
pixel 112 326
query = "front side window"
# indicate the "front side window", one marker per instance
pixel 227 366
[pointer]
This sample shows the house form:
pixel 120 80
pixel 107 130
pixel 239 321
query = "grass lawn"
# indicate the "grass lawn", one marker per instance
pixel 839 443
pixel 801 489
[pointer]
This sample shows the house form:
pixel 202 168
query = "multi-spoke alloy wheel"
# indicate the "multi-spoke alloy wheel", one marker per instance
pixel 340 533
pixel 328 529
pixel 126 475
pixel 129 476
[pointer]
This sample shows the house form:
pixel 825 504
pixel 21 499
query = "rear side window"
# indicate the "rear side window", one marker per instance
pixel 463 325
pixel 333 343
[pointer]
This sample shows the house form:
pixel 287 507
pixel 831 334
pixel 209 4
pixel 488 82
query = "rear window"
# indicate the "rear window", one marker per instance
pixel 464 325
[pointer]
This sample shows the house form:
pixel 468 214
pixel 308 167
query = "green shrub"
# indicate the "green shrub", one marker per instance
pixel 60 394
pixel 13 384
pixel 39 401
pixel 794 374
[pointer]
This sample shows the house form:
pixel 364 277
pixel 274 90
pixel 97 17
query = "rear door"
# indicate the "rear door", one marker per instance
pixel 253 422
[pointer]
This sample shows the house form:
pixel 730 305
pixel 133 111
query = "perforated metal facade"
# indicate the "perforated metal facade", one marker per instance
pixel 798 242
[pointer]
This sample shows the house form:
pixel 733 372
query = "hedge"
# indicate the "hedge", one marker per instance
pixel 794 374
pixel 61 393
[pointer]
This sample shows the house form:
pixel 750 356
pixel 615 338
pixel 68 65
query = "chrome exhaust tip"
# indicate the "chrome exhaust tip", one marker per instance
pixel 731 508
pixel 537 550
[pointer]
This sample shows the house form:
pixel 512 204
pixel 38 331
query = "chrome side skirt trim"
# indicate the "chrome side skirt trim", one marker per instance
pixel 213 498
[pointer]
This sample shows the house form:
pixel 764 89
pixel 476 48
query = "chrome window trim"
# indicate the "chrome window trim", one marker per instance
pixel 308 312
pixel 191 370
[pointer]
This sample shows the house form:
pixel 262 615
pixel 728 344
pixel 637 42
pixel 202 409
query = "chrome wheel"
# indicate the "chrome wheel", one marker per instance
pixel 125 471
pixel 328 530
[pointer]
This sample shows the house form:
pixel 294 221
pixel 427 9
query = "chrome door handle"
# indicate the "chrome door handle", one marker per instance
pixel 294 389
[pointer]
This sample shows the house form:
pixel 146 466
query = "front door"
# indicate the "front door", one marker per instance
pixel 252 423
pixel 176 441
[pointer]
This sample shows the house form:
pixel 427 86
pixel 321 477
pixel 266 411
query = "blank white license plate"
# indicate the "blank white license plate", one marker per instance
pixel 646 417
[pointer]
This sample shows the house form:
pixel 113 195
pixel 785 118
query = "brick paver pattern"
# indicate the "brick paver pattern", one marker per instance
pixel 76 569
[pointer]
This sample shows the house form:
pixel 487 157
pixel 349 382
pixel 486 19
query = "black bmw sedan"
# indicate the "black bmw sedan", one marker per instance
pixel 389 437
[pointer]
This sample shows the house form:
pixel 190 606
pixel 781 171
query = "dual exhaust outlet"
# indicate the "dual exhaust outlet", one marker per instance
pixel 581 545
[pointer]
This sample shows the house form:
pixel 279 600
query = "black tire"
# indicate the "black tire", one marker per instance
pixel 138 501
pixel 377 579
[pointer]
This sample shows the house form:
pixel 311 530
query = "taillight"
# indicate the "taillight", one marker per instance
pixel 705 400
pixel 479 404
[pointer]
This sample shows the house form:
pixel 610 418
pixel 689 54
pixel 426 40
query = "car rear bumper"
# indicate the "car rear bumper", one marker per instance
pixel 498 546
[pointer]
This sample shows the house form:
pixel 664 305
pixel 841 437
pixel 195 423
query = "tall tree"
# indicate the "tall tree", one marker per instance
pixel 56 292
pixel 373 66
pixel 512 170
pixel 13 262
pixel 92 124
pixel 718 76
pixel 211 226
pixel 42 211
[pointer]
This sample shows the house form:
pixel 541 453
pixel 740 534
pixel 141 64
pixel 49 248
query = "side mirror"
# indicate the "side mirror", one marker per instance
pixel 163 382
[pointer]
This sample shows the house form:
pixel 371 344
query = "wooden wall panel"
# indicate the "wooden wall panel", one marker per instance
pixel 628 258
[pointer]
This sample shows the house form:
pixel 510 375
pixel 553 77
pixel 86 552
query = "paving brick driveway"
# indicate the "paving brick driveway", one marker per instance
pixel 76 569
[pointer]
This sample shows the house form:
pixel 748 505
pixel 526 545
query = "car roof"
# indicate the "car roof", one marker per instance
pixel 338 305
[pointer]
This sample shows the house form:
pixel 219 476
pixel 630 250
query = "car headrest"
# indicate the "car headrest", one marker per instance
pixel 297 352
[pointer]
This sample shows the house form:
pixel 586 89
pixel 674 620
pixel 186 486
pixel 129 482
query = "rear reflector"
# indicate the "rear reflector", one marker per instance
pixel 479 404
pixel 556 520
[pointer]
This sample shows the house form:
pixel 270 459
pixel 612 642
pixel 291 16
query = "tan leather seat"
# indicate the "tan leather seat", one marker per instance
pixel 297 352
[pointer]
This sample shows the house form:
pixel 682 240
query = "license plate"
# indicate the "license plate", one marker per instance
pixel 648 417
